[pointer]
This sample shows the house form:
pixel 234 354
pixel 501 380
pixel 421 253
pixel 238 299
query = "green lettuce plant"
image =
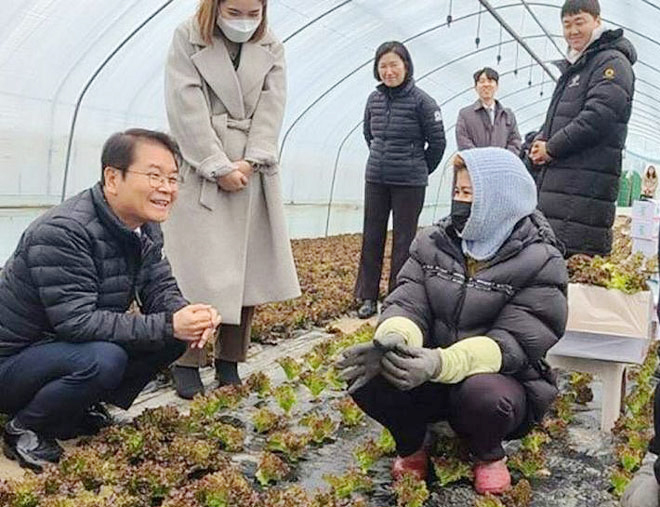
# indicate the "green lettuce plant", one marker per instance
pixel 450 469
pixel 410 491
pixel 271 469
pixel 265 420
pixel 314 382
pixel 260 384
pixel 367 454
pixel 286 397
pixel 351 414
pixel 290 444
pixel 352 481
pixel 291 367
pixel 321 427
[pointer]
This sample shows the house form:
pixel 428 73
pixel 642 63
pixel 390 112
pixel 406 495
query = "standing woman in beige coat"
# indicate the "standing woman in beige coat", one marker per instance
pixel 228 244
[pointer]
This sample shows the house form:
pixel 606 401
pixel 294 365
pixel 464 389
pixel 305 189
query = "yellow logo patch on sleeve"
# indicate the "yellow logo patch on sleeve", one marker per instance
pixel 609 73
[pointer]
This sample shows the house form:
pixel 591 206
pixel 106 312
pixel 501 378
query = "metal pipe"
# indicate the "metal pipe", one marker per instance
pixel 543 29
pixel 493 12
pixel 89 83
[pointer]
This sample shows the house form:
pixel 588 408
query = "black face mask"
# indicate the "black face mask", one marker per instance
pixel 460 212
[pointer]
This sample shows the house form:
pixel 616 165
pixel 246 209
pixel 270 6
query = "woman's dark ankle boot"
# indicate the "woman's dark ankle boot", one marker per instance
pixel 368 308
pixel 226 373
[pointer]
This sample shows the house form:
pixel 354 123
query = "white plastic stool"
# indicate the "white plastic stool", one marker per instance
pixel 610 373
pixel 605 356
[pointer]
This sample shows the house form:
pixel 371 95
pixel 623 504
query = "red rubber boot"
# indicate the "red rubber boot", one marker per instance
pixel 491 477
pixel 417 464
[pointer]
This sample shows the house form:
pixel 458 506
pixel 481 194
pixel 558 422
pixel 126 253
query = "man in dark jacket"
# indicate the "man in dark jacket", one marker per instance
pixel 67 340
pixel 585 131
pixel 486 122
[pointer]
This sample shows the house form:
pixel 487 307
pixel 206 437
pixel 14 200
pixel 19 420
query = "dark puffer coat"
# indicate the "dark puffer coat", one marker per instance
pixel 518 299
pixel 586 129
pixel 405 134
pixel 75 273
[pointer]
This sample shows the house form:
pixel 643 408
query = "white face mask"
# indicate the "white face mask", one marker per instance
pixel 238 30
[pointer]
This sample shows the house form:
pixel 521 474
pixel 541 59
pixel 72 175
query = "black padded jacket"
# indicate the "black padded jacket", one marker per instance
pixel 74 274
pixel 586 129
pixel 518 299
pixel 405 134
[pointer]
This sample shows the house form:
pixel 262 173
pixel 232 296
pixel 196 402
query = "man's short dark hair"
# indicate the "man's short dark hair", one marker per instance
pixel 490 74
pixel 573 7
pixel 119 149
pixel 398 49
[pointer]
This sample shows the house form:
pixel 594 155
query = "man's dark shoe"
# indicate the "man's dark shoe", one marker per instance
pixel 30 449
pixel 187 382
pixel 95 418
pixel 226 373
pixel 368 308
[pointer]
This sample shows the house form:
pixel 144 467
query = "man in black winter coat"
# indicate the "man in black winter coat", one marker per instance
pixel 585 131
pixel 67 340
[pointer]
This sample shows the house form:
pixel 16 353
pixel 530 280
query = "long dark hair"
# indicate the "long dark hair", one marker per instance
pixel 398 49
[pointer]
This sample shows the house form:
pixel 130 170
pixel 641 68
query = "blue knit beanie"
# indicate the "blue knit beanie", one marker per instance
pixel 503 193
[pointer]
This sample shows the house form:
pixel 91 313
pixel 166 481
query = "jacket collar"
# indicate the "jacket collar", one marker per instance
pixel 479 105
pixel 116 227
pixel 399 91
pixel 533 228
pixel 609 39
pixel 214 64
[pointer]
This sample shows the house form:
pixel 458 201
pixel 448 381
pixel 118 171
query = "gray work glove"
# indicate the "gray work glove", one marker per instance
pixel 407 367
pixel 360 363
pixel 643 490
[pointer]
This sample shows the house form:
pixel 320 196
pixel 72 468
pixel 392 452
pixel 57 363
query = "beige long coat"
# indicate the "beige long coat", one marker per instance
pixel 228 249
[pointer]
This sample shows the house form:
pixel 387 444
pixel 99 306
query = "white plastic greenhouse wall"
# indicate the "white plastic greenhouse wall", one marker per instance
pixel 73 72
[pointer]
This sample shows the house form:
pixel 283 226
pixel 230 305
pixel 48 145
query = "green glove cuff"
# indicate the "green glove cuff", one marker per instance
pixel 404 327
pixel 468 357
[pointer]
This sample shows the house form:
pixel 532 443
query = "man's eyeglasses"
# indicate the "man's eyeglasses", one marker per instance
pixel 157 180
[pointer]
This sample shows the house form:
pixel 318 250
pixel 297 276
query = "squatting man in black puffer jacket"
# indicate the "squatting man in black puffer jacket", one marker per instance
pixel 67 342
pixel 579 147
pixel 464 334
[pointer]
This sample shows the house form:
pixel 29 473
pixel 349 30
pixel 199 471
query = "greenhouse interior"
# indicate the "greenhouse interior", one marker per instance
pixel 74 73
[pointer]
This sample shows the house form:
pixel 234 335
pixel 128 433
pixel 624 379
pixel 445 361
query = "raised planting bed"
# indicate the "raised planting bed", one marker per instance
pixel 299 442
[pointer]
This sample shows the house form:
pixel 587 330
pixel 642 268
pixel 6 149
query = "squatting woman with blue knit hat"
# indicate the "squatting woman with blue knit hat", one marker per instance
pixel 463 336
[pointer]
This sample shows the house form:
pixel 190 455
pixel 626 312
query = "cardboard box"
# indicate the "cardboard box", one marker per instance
pixel 645 210
pixel 644 229
pixel 648 247
pixel 599 310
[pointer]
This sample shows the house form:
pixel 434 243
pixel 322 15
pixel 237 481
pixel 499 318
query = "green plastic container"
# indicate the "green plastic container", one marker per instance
pixel 623 199
pixel 635 186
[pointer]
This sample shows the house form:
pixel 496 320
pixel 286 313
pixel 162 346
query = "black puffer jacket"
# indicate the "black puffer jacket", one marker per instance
pixel 75 273
pixel 518 299
pixel 586 129
pixel 404 131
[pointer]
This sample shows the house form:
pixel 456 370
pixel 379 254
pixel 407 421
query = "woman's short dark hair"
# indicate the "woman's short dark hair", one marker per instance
pixel 490 74
pixel 119 149
pixel 573 7
pixel 398 49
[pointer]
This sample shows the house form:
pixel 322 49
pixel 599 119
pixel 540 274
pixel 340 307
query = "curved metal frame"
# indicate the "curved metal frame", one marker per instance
pixel 360 67
pixel 485 3
pixel 424 76
pixel 89 83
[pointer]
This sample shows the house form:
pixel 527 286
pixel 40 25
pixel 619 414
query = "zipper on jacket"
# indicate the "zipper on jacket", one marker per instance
pixel 461 302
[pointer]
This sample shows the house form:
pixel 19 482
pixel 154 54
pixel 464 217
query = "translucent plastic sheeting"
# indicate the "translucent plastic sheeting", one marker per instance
pixel 53 50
